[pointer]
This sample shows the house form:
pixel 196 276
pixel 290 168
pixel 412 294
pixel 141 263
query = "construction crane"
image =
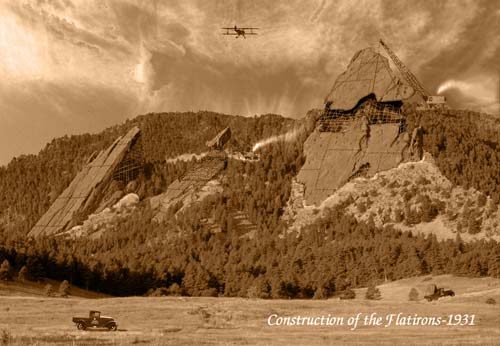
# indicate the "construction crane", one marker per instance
pixel 430 101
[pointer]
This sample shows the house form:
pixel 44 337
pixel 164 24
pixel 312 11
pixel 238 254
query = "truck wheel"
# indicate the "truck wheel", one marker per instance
pixel 113 327
pixel 81 326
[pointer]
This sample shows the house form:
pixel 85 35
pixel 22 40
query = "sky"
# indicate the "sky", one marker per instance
pixel 76 66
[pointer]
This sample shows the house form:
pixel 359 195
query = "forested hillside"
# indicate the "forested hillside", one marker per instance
pixel 466 146
pixel 30 183
pixel 187 255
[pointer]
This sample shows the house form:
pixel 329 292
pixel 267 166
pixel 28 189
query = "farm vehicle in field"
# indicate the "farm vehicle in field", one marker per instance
pixel 434 293
pixel 94 321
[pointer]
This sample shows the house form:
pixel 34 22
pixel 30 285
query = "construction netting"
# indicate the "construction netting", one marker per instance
pixel 334 120
pixel 132 164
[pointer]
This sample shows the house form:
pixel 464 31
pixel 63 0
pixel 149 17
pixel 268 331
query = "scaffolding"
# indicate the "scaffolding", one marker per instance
pixel 206 170
pixel 334 120
pixel 132 164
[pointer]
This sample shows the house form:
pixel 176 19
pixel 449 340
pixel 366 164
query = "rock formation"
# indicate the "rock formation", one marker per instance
pixel 367 73
pixel 102 221
pixel 362 130
pixel 195 184
pixel 414 196
pixel 332 159
pixel 84 192
pixel 200 181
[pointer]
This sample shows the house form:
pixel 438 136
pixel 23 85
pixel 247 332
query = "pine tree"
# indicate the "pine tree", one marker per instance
pixel 373 293
pixel 64 289
pixel 49 290
pixel 36 270
pixel 23 273
pixel 348 294
pixel 429 210
pixel 494 263
pixel 5 271
pixel 413 295
pixel 320 293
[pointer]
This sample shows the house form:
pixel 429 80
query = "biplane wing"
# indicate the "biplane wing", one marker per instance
pixel 240 28
pixel 236 31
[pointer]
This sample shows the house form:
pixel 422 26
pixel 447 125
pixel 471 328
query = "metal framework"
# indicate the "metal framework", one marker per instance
pixel 410 78
pixel 334 120
pixel 205 171
pixel 132 164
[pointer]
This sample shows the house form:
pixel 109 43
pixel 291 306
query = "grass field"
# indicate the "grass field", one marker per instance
pixel 237 321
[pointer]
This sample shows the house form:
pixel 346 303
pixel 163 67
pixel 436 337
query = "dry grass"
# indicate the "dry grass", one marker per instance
pixel 238 321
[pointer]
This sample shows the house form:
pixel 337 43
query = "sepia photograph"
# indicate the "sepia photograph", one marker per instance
pixel 249 172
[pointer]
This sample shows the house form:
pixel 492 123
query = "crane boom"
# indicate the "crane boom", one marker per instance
pixel 410 78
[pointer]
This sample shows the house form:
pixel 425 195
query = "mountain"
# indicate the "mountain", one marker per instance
pixel 414 196
pixel 205 250
pixel 31 183
pixel 370 188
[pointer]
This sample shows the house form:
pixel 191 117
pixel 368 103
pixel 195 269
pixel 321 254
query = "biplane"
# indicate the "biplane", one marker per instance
pixel 239 31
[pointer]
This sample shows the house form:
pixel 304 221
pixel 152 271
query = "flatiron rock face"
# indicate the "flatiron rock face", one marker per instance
pixel 362 130
pixel 334 158
pixel 201 181
pixel 367 73
pixel 84 190
pixel 197 183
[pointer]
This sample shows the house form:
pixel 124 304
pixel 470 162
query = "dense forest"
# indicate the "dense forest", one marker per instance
pixel 30 183
pixel 466 146
pixel 333 254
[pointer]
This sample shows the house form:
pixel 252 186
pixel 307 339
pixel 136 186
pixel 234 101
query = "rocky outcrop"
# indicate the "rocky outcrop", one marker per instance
pixel 84 192
pixel 334 158
pixel 201 181
pixel 105 220
pixel 414 196
pixel 367 73
pixel 362 130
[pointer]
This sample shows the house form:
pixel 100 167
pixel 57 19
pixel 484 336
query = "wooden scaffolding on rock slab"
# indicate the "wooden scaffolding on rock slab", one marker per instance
pixel 132 164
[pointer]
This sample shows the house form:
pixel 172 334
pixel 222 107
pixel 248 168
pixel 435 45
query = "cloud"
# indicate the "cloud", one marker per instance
pixel 471 60
pixel 136 56
pixel 19 53
pixel 480 94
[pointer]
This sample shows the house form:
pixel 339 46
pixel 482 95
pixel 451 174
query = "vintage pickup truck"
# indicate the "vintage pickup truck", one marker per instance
pixel 434 293
pixel 94 321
